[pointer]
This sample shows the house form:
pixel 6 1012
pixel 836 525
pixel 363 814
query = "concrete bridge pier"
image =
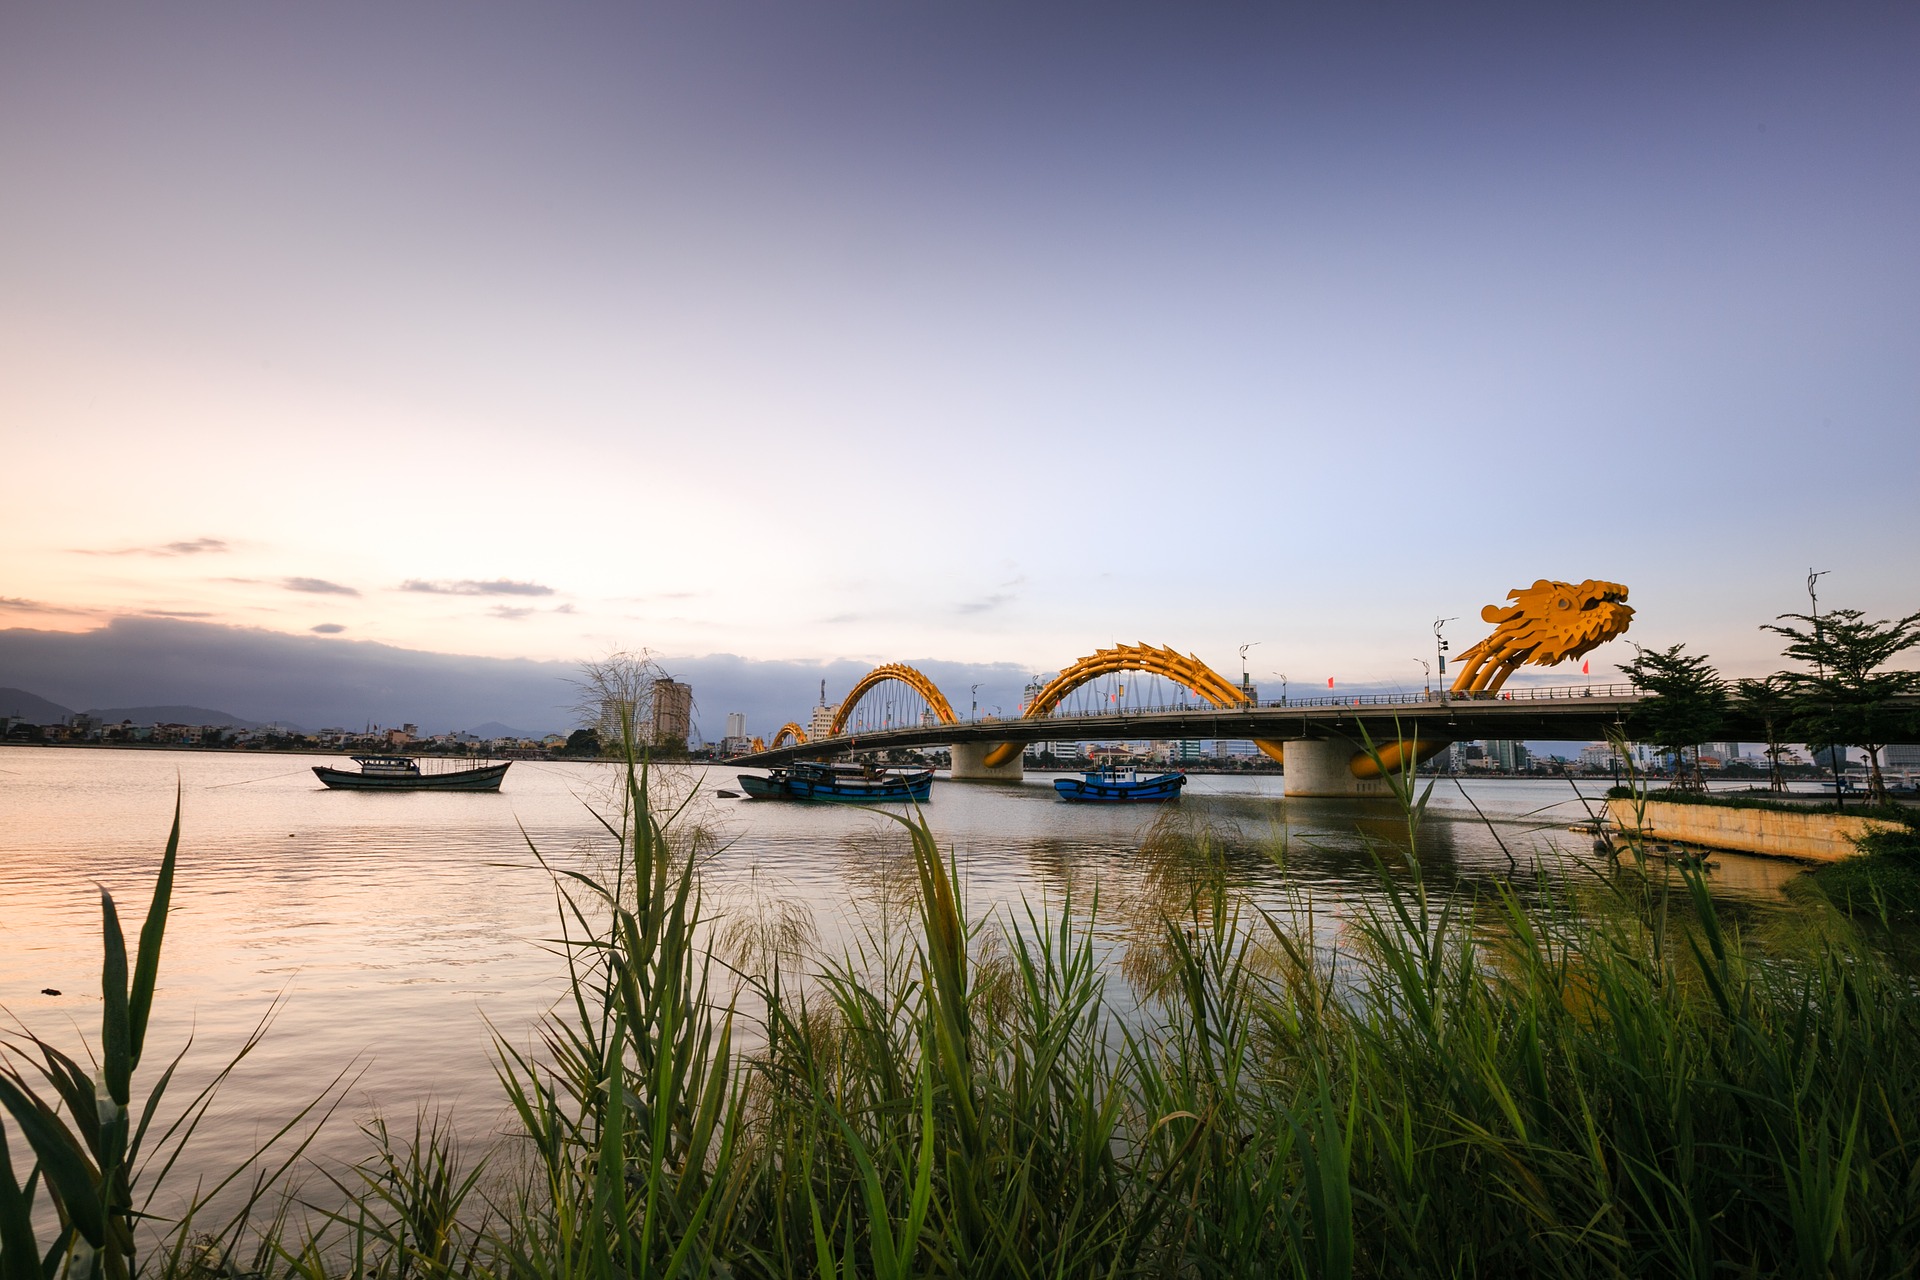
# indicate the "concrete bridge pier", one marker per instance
pixel 970 765
pixel 1324 767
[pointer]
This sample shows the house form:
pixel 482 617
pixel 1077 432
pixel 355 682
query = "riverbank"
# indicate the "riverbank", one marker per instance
pixel 1772 832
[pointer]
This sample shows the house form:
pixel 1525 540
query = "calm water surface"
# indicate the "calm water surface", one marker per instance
pixel 386 933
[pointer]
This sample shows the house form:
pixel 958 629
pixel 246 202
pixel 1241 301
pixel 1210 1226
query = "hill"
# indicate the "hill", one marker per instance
pixel 31 706
pixel 173 715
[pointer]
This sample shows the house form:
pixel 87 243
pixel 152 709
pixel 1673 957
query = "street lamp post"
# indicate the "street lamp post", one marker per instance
pixel 1820 665
pixel 1440 651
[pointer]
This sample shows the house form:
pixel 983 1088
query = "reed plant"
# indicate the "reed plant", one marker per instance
pixel 1591 1076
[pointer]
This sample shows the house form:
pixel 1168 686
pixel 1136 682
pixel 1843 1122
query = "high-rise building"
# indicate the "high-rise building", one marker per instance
pixel 821 726
pixel 672 713
pixel 736 724
pixel 1509 756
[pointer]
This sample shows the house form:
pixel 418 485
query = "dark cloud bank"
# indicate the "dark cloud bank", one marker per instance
pixel 311 681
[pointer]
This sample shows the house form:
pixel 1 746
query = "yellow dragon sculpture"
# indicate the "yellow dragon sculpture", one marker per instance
pixel 1547 623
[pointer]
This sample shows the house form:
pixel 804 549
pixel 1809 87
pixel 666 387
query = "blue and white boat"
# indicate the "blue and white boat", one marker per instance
pixel 840 783
pixel 1114 785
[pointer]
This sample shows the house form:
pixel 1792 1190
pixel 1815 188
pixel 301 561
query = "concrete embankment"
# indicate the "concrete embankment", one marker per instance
pixel 1810 837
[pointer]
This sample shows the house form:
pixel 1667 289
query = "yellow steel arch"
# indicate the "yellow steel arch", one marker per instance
pixel 789 732
pixel 914 679
pixel 1185 668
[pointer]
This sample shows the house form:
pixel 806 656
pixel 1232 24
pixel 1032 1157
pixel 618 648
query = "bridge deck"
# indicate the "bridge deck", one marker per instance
pixel 1580 713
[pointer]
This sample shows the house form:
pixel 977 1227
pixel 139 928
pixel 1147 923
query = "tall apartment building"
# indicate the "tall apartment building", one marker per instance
pixel 672 713
pixel 736 724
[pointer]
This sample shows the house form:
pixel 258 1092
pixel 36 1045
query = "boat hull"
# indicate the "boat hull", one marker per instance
pixel 914 788
pixel 1092 789
pixel 486 778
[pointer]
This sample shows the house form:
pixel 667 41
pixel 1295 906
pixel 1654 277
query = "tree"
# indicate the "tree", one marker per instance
pixel 582 742
pixel 1770 701
pixel 1847 699
pixel 1686 705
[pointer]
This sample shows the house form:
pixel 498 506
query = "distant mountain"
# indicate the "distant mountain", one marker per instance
pixel 31 706
pixel 173 715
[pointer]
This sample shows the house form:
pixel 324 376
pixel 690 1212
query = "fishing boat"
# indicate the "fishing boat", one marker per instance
pixel 840 783
pixel 403 773
pixel 1113 785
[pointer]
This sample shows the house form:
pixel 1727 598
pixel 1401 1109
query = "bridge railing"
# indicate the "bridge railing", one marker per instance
pixel 1426 697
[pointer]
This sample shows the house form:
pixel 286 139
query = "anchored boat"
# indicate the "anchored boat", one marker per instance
pixel 403 773
pixel 1120 786
pixel 842 783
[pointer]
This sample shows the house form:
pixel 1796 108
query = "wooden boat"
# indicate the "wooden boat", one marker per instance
pixel 1120 786
pixel 403 773
pixel 840 783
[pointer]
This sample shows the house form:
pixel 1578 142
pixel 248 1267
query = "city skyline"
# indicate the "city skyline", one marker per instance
pixel 993 337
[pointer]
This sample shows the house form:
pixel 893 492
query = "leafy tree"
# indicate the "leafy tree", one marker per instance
pixel 1687 704
pixel 1770 701
pixel 1847 698
pixel 582 742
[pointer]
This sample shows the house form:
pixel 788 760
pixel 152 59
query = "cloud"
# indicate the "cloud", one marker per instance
pixel 190 547
pixel 174 613
pixel 327 628
pixel 475 587
pixel 511 611
pixel 15 604
pixel 317 587
pixel 982 606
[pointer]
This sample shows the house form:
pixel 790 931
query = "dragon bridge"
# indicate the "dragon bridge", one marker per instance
pixel 900 673
pixel 1185 669
pixel 789 732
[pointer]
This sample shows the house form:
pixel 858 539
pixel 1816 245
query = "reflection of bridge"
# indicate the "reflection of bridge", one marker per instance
pixel 1319 740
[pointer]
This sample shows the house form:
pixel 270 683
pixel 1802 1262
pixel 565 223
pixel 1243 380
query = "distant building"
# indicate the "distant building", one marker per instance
pixel 1510 757
pixel 736 724
pixel 1599 755
pixel 821 726
pixel 672 713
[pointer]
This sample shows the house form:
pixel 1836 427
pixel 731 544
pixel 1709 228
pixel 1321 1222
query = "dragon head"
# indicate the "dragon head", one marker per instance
pixel 1554 621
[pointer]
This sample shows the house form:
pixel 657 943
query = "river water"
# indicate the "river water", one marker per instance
pixel 391 936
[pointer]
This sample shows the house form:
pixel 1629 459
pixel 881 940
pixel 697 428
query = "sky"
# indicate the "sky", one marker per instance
pixel 985 334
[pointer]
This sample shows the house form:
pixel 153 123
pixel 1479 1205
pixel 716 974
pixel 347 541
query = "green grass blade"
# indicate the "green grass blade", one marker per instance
pixel 116 1047
pixel 19 1252
pixel 146 967
pixel 67 1172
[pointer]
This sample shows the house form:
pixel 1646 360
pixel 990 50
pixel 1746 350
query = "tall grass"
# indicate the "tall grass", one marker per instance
pixel 1581 1078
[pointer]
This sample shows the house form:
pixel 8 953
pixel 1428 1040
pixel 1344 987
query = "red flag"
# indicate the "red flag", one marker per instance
pixel 1586 668
pixel 1329 682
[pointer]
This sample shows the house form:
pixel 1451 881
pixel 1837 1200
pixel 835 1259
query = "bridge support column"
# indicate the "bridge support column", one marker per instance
pixel 1324 767
pixel 970 765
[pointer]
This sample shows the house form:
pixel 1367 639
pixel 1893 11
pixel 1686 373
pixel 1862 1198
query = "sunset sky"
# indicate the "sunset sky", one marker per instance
pixel 984 333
